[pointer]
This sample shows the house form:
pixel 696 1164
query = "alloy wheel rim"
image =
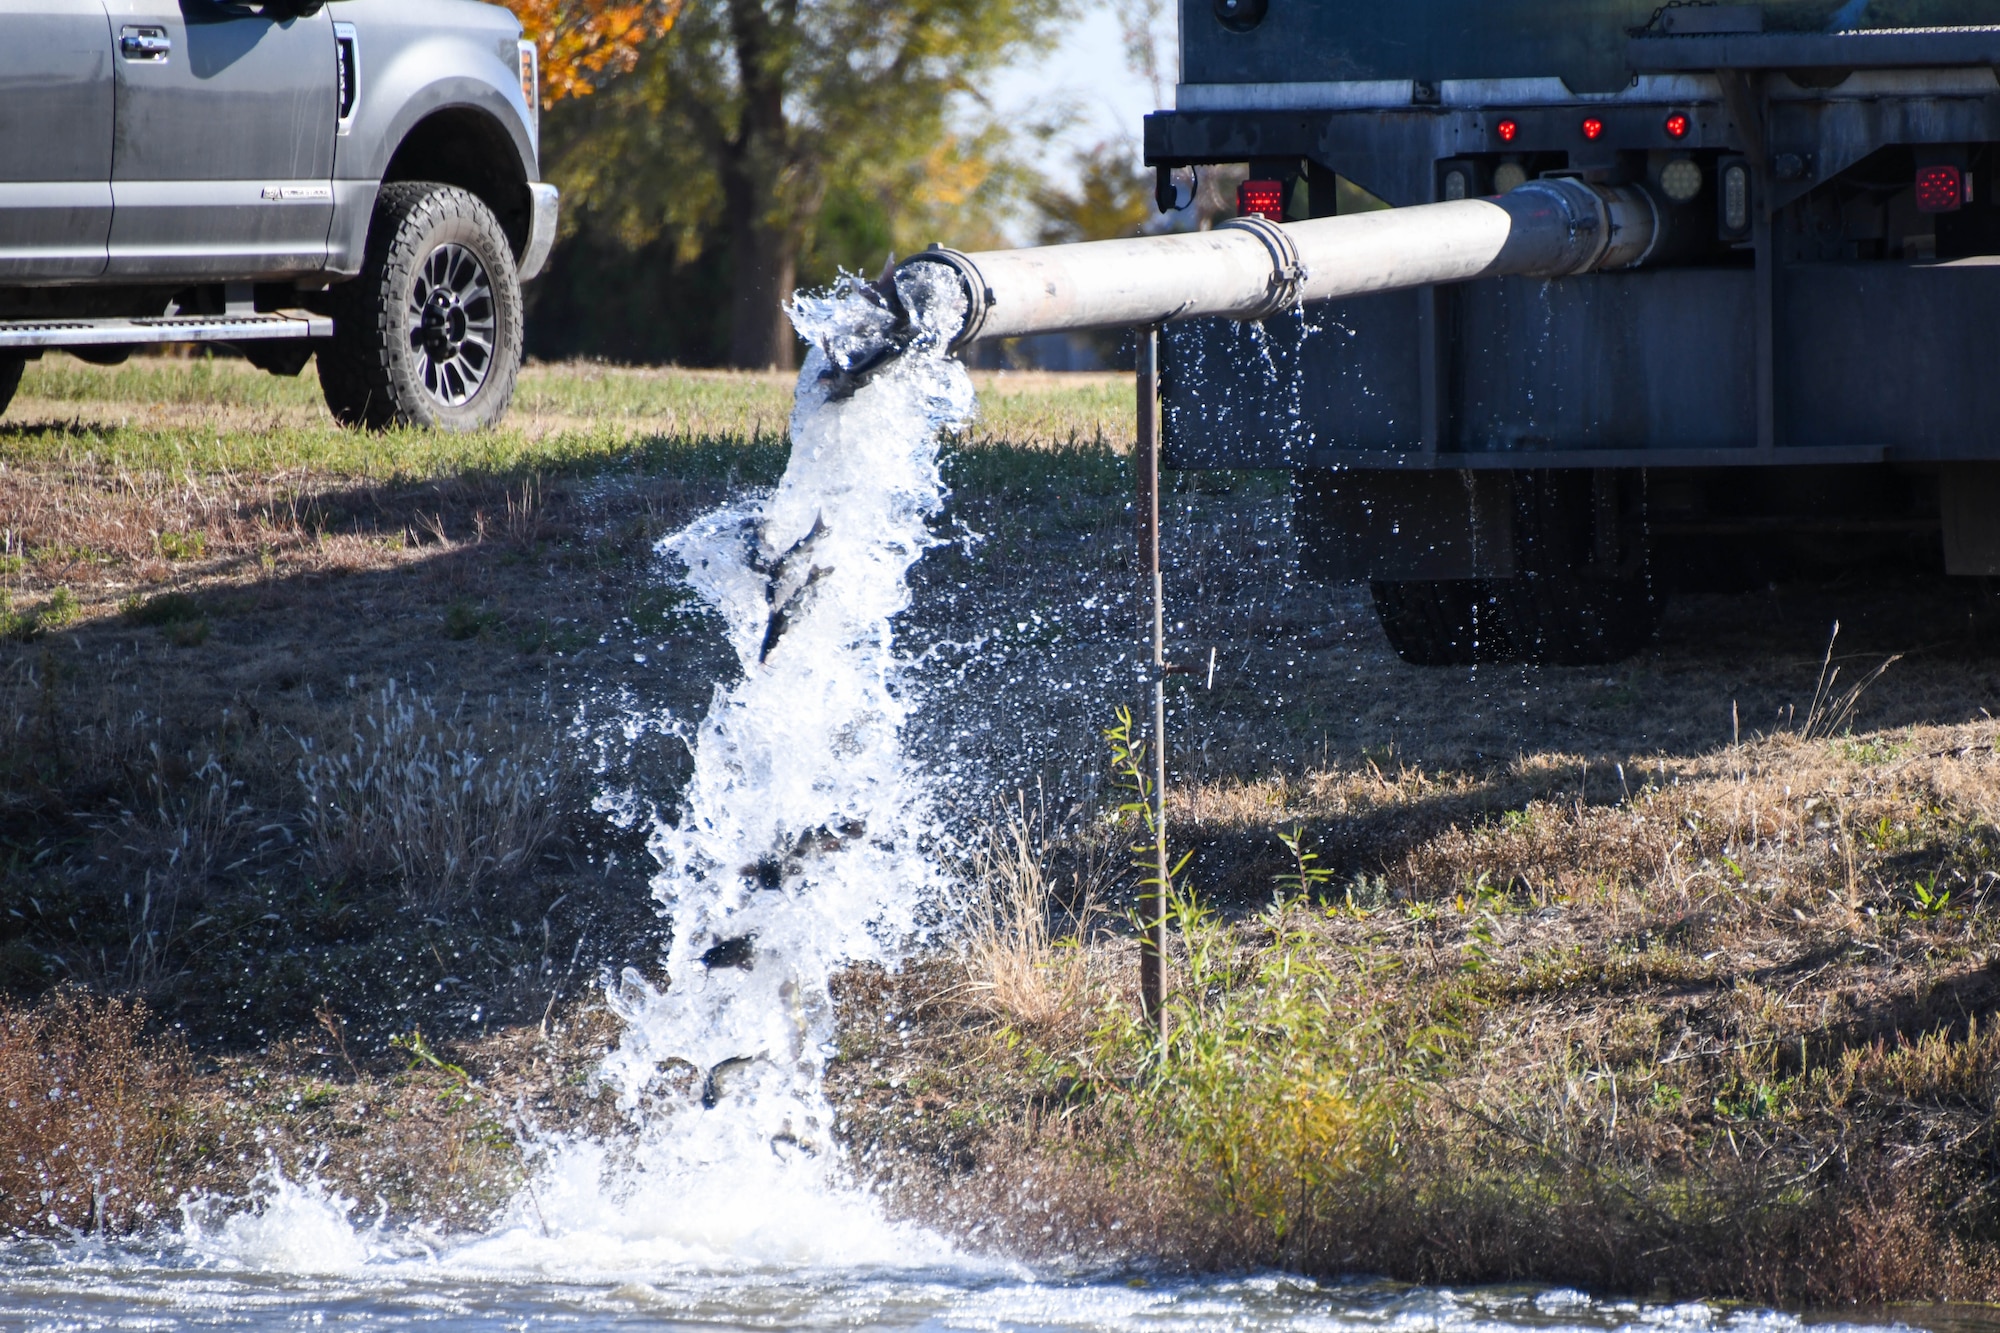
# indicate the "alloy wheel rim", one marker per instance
pixel 454 324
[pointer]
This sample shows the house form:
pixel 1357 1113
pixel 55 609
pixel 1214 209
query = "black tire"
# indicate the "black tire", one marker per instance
pixel 1556 610
pixel 1554 617
pixel 10 378
pixel 1565 618
pixel 1559 608
pixel 430 333
pixel 1434 622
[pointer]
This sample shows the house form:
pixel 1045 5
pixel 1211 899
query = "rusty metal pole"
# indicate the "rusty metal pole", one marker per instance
pixel 1146 463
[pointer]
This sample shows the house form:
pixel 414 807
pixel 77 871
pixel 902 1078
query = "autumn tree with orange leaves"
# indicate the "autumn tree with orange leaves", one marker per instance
pixel 744 131
pixel 585 41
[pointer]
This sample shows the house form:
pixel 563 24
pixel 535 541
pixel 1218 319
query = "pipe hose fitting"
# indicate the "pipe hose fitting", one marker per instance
pixel 979 299
pixel 1599 227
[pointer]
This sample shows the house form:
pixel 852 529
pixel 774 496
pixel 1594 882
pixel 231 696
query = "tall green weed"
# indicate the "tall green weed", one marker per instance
pixel 1277 1081
pixel 1274 1075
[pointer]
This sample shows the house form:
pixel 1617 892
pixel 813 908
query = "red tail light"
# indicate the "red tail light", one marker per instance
pixel 1264 199
pixel 1677 126
pixel 1940 189
pixel 1507 130
pixel 1593 128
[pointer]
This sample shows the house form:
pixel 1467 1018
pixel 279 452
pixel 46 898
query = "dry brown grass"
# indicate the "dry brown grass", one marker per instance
pixel 1698 1031
pixel 110 1125
pixel 442 803
pixel 1033 910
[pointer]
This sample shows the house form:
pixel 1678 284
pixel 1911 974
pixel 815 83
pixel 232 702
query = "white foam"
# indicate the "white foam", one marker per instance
pixel 294 1228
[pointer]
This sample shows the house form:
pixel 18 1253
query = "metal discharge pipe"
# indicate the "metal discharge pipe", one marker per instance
pixel 1250 268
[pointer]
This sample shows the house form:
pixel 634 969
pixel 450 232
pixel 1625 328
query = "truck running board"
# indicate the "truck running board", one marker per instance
pixel 163 329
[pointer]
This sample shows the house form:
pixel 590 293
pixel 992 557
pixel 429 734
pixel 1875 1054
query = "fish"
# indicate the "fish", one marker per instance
pixel 711 1087
pixel 852 361
pixel 737 952
pixel 792 578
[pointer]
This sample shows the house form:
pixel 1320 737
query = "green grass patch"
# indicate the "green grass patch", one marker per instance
pixel 467 620
pixel 389 456
pixel 570 419
pixel 58 609
pixel 182 545
pixel 208 381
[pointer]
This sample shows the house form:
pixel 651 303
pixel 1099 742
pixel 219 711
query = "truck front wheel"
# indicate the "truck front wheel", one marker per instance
pixel 430 333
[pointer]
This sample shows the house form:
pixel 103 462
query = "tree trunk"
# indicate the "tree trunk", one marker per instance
pixel 765 260
pixel 764 238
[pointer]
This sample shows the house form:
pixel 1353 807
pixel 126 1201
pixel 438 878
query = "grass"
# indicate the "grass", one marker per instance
pixel 293 712
pixel 290 764
pixel 115 1127
pixel 1725 1034
pixel 207 416
pixel 1666 976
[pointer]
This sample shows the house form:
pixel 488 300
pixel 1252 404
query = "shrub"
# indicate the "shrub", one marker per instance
pixel 167 608
pixel 440 805
pixel 93 1114
pixel 1275 1082
pixel 463 620
pixel 59 610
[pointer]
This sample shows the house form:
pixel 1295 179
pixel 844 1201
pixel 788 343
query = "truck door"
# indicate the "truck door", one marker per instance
pixel 55 139
pixel 226 118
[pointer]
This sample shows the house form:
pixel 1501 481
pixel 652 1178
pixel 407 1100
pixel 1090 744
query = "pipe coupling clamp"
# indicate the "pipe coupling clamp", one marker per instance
pixel 1288 270
pixel 978 294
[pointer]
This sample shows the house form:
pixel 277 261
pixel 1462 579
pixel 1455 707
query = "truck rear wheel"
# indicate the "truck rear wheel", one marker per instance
pixel 10 378
pixel 1558 617
pixel 430 333
pixel 1563 606
pixel 1434 622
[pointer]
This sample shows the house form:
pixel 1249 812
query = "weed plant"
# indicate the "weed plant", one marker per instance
pixel 438 805
pixel 95 1134
pixel 1276 1083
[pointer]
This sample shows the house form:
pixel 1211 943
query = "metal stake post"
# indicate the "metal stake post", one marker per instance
pixel 1153 906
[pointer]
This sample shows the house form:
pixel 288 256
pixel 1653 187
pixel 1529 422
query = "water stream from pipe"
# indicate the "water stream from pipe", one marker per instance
pixel 804 843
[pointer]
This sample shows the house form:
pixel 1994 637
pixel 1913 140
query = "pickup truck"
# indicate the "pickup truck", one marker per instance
pixel 356 180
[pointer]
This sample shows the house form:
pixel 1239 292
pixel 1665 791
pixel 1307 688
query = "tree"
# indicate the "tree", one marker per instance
pixel 750 116
pixel 1113 197
pixel 583 40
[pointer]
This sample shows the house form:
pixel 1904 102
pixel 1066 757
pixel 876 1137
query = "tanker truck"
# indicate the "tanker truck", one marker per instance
pixel 1549 309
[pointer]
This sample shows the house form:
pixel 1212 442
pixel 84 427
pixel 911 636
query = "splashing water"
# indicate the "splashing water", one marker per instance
pixel 296 1227
pixel 804 842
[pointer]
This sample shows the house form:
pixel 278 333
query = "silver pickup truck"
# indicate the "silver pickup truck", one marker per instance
pixel 356 179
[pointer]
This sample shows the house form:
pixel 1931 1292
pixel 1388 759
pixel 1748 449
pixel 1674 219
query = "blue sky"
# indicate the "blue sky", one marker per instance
pixel 1089 71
